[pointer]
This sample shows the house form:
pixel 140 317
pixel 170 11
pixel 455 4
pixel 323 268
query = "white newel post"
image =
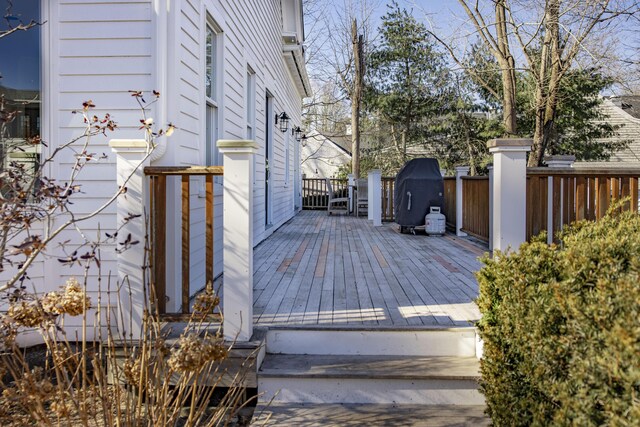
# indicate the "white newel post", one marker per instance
pixel 490 207
pixel 237 303
pixel 351 182
pixel 131 158
pixel 557 161
pixel 460 172
pixel 509 191
pixel 375 197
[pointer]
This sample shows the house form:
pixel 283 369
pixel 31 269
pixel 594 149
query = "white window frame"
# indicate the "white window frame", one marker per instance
pixel 213 100
pixel 250 103
pixel 287 156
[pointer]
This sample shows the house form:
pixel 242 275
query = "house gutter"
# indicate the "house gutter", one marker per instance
pixel 294 56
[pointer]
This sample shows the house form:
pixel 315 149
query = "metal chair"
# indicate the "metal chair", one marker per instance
pixel 335 204
pixel 362 195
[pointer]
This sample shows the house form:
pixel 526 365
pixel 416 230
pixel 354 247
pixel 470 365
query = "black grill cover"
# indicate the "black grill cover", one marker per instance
pixel 421 178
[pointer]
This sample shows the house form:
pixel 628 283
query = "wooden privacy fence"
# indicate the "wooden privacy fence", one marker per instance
pixel 475 206
pixel 158 181
pixel 450 201
pixel 388 188
pixel 576 194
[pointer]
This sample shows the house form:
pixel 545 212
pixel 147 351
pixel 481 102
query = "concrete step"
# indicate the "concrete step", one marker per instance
pixel 352 415
pixel 429 380
pixel 428 341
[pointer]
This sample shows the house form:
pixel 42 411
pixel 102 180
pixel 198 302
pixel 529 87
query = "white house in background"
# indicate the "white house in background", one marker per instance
pixel 323 156
pixel 623 111
pixel 224 68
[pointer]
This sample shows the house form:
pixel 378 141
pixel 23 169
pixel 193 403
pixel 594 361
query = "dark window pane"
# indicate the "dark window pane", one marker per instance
pixel 20 87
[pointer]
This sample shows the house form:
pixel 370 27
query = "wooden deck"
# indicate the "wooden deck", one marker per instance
pixel 342 271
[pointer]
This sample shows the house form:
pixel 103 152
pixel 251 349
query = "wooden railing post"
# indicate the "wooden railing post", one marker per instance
pixel 375 197
pixel 460 172
pixel 351 182
pixel 237 304
pixel 131 158
pixel 490 207
pixel 509 191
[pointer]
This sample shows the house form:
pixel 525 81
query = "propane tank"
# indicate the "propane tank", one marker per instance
pixel 435 222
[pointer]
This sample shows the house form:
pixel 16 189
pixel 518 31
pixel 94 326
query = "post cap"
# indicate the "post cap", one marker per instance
pixel 524 143
pixel 560 160
pixel 127 143
pixel 236 143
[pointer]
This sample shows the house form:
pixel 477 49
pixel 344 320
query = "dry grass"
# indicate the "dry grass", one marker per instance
pixel 117 381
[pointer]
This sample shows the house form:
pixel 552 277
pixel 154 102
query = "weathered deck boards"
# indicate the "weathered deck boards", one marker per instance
pixel 342 271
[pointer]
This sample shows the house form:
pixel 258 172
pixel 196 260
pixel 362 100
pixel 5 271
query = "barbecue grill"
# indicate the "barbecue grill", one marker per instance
pixel 419 185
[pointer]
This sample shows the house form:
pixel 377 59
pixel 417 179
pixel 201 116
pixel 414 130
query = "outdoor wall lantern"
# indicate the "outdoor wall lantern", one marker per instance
pixel 297 132
pixel 284 121
pixel 304 140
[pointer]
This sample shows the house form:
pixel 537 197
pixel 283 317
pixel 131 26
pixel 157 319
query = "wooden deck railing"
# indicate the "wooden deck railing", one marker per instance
pixel 576 194
pixel 475 206
pixel 315 194
pixel 158 221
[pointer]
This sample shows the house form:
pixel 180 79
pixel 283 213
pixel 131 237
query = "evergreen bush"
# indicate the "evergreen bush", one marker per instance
pixel 561 327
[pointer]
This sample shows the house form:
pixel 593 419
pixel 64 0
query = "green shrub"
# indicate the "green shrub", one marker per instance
pixel 561 328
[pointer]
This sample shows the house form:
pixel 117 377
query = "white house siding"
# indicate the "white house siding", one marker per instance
pixel 91 51
pixel 251 36
pixel 629 130
pixel 99 50
pixel 322 158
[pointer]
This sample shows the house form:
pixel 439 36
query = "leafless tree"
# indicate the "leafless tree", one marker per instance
pixel 336 57
pixel 545 39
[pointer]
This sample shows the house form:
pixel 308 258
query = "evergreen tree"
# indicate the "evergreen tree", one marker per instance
pixel 408 84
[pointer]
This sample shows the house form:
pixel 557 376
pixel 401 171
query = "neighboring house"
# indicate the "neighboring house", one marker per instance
pixel 323 156
pixel 623 111
pixel 224 68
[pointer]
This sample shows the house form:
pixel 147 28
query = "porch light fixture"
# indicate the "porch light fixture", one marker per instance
pixel 284 121
pixel 297 132
pixel 304 138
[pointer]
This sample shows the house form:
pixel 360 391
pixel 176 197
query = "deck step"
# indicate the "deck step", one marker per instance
pixel 328 415
pixel 423 341
pixel 380 379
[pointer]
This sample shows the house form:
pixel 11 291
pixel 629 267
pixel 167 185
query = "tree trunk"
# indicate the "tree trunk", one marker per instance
pixel 508 71
pixel 356 98
pixel 547 85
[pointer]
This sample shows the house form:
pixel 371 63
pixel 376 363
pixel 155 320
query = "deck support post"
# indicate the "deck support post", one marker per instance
pixel 490 168
pixel 375 197
pixel 237 295
pixel 557 161
pixel 132 155
pixel 351 182
pixel 509 191
pixel 460 172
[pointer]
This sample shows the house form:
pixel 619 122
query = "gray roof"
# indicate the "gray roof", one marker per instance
pixel 630 104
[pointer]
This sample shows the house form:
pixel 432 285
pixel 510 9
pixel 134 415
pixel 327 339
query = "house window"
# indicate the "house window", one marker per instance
pixel 287 162
pixel 20 86
pixel 213 40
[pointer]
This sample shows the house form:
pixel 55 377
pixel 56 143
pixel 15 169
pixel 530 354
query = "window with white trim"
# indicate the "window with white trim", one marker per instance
pixel 287 161
pixel 251 103
pixel 20 86
pixel 213 39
